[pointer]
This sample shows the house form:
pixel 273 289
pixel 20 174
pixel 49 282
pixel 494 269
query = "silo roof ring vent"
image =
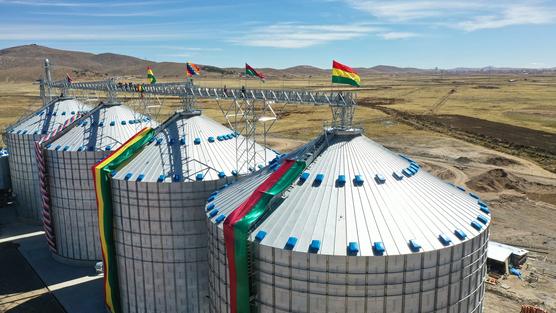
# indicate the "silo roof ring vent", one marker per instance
pixel 290 244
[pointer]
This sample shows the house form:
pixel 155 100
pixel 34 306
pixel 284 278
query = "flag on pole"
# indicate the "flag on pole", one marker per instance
pixel 68 78
pixel 192 69
pixel 150 75
pixel 249 71
pixel 342 74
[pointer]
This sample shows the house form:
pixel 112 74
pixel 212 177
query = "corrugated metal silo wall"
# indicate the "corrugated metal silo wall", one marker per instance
pixel 161 244
pixel 446 280
pixel 25 177
pixel 73 202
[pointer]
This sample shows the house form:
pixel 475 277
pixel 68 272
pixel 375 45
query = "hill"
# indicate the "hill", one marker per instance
pixel 24 63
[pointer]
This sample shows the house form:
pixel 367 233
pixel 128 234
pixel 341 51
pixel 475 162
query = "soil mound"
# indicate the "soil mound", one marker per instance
pixel 463 160
pixel 501 161
pixel 439 171
pixel 497 180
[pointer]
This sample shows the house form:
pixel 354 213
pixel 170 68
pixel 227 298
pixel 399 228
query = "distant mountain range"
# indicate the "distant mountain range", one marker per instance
pixel 24 63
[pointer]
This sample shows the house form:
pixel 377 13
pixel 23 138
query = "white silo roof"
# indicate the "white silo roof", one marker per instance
pixel 410 211
pixel 189 144
pixel 106 127
pixel 49 117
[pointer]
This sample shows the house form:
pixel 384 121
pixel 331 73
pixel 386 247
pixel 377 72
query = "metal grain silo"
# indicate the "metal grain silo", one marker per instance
pixel 5 181
pixel 345 225
pixel 20 139
pixel 158 254
pixel 71 220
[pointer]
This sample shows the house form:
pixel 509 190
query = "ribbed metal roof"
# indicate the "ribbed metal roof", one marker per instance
pixel 50 116
pixel 191 147
pixel 368 197
pixel 105 127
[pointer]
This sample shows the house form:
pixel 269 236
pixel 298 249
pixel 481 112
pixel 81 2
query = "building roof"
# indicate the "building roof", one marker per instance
pixel 501 252
pixel 50 116
pixel 367 195
pixel 106 127
pixel 191 147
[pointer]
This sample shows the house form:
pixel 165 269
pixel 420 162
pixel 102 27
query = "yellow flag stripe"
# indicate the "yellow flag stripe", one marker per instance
pixel 339 72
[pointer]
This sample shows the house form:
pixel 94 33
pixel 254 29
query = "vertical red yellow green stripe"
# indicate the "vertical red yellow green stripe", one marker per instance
pixel 239 224
pixel 101 174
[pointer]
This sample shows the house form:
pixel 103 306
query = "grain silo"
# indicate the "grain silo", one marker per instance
pixel 20 139
pixel 345 225
pixel 156 255
pixel 70 217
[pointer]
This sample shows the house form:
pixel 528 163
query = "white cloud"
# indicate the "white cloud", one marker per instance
pixel 466 15
pixel 397 35
pixel 513 15
pixel 293 35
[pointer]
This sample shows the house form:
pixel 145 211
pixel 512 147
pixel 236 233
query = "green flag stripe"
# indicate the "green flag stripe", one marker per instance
pixel 344 80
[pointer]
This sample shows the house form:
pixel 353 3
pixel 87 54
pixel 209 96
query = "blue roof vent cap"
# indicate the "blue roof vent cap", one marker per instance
pixel 483 219
pixel 234 172
pixel 128 176
pixel 290 244
pixel 476 225
pixel 353 248
pixel 113 173
pixel 380 179
pixel 161 178
pixel 72 112
pixel 66 148
pixel 260 235
pixel 213 213
pixel 485 209
pixel 378 248
pixel 304 177
pixel 210 206
pixel 460 234
pixel 219 138
pixel 197 141
pixel 358 180
pixel 123 122
pixel 314 247
pixel 182 141
pixel 211 139
pixel 473 195
pixel 221 174
pixel 220 218
pixel 445 239
pixel 481 203
pixel 341 181
pixel 140 177
pixel 100 124
pixel 64 113
pixel 199 176
pixel 414 245
pixel 318 179
pixel 158 141
pixel 176 177
pixel 112 123
pixel 58 147
pixel 211 198
pixel 397 176
pixel 107 148
pixel 460 188
pixel 172 141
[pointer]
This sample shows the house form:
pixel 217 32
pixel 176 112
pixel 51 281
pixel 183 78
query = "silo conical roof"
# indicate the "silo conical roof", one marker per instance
pixel 106 127
pixel 354 193
pixel 191 147
pixel 49 117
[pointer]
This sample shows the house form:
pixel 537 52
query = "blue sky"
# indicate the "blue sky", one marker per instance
pixel 419 33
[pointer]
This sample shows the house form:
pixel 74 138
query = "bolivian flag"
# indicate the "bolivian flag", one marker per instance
pixel 150 75
pixel 342 74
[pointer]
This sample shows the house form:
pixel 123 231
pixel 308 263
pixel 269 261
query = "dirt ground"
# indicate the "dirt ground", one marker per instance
pixel 521 193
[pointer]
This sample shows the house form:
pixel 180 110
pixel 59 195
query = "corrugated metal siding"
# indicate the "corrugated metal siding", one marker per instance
pixel 20 139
